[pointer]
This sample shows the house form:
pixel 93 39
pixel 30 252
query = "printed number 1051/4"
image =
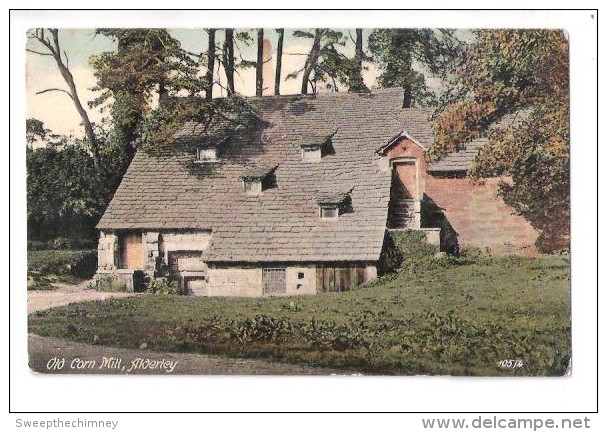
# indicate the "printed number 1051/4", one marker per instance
pixel 511 364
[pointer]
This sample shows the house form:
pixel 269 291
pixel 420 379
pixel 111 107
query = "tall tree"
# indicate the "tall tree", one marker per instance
pixel 259 64
pixel 324 63
pixel 525 74
pixel 355 78
pixel 281 36
pixel 312 59
pixel 228 60
pixel 65 193
pixel 49 39
pixel 147 63
pixel 210 64
pixel 396 50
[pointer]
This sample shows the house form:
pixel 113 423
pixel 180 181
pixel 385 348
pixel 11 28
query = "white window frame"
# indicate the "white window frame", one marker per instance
pixel 252 186
pixel 206 154
pixel 311 154
pixel 334 208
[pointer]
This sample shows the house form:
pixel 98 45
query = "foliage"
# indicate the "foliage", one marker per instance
pixel 35 131
pixel 324 64
pixel 62 243
pixel 405 247
pixel 37 282
pixel 395 51
pixel 213 119
pixel 42 264
pixel 65 196
pixel 146 62
pixel 456 317
pixel 163 285
pixel 521 75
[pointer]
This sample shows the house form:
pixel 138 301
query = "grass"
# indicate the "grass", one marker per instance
pixel 455 316
pixel 45 267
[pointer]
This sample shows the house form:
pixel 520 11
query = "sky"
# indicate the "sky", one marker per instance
pixel 56 109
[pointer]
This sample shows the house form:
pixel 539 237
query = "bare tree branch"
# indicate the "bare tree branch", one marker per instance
pixel 55 89
pixel 54 48
pixel 38 52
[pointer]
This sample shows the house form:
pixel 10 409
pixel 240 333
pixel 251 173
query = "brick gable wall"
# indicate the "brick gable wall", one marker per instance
pixel 475 212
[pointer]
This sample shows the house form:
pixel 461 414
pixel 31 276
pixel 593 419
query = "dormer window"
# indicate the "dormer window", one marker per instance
pixel 311 153
pixel 332 204
pixel 314 148
pixel 252 186
pixel 329 212
pixel 257 179
pixel 206 154
pixel 209 150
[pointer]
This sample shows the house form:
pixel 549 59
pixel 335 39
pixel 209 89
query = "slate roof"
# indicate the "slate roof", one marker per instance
pixel 258 171
pixel 461 160
pixel 282 224
pixel 416 122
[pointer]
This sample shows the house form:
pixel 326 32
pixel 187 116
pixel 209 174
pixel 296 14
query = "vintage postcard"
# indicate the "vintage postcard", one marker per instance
pixel 298 201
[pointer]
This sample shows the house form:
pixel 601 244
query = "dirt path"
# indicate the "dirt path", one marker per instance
pixel 66 294
pixel 45 354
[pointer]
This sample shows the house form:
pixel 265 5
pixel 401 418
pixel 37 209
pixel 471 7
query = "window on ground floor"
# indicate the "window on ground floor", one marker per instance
pixel 274 281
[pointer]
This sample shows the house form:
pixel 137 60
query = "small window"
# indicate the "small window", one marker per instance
pixel 300 275
pixel 312 154
pixel 207 154
pixel 329 212
pixel 252 186
pixel 274 281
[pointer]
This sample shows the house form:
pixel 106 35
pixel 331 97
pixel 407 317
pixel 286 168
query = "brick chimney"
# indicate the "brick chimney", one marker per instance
pixel 268 68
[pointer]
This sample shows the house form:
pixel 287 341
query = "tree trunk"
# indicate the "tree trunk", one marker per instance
pixel 356 79
pixel 359 48
pixel 55 50
pixel 210 64
pixel 312 60
pixel 163 94
pixel 259 68
pixel 228 60
pixel 281 36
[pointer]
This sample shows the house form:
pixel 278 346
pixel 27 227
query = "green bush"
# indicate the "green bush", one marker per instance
pixel 36 282
pixel 402 247
pixel 62 263
pixel 163 285
pixel 62 243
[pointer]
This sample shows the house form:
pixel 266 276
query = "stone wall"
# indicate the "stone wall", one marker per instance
pixel 107 251
pixel 183 241
pixel 234 282
pixel 228 281
pixel 248 282
pixel 370 273
pixel 150 252
pixel 304 285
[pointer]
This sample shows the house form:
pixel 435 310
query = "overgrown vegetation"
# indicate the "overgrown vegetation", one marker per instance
pixel 445 315
pixel 65 266
pixel 163 285
pixel 524 75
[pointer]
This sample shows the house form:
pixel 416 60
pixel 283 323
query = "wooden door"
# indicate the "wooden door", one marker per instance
pixel 335 279
pixel 131 249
